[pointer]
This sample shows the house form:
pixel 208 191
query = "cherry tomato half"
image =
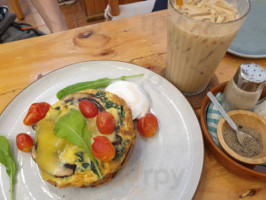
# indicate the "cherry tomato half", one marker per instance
pixel 103 149
pixel 24 142
pixel 105 122
pixel 88 109
pixel 148 125
pixel 36 112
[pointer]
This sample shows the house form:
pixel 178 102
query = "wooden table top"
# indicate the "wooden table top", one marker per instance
pixel 140 40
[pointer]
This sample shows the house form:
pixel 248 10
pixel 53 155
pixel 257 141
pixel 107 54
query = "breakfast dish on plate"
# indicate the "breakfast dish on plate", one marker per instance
pixel 84 139
pixel 65 164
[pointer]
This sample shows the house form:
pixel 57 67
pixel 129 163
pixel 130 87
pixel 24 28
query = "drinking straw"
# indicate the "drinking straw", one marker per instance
pixel 179 2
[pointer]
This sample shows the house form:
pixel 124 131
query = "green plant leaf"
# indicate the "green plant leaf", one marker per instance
pixel 99 83
pixel 73 128
pixel 8 161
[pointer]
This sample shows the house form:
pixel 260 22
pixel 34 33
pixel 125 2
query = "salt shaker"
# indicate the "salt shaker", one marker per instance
pixel 244 90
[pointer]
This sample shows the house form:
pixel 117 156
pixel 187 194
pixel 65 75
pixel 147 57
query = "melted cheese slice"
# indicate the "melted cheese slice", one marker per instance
pixel 51 150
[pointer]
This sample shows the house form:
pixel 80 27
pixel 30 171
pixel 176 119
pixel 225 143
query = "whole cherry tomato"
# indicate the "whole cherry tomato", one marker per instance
pixel 36 112
pixel 105 122
pixel 148 125
pixel 88 109
pixel 103 149
pixel 24 142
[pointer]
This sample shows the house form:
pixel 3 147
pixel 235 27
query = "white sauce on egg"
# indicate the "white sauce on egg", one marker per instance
pixel 135 97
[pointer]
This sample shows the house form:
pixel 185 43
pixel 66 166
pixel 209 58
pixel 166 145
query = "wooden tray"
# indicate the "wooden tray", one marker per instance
pixel 244 170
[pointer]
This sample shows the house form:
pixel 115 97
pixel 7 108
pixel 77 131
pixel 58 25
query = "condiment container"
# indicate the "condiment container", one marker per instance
pixel 245 88
pixel 246 119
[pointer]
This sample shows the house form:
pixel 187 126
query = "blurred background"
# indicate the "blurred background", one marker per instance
pixel 82 12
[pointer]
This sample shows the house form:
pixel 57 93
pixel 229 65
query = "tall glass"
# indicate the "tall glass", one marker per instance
pixel 195 48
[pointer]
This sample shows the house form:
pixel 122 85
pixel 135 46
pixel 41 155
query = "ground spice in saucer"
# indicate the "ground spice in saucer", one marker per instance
pixel 251 146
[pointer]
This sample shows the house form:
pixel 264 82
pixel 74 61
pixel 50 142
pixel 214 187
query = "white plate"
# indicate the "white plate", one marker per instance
pixel 250 41
pixel 166 166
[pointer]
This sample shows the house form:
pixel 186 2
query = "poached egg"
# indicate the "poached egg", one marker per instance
pixel 135 97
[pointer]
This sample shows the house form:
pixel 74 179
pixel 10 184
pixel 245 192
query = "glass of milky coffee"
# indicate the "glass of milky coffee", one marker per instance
pixel 198 34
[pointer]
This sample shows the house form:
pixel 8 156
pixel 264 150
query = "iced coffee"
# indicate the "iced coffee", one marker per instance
pixel 199 33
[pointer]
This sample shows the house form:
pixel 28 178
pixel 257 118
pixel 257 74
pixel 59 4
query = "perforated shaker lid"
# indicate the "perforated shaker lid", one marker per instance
pixel 250 77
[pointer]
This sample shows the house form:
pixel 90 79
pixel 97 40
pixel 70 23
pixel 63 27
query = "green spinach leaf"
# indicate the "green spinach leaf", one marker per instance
pixel 93 168
pixel 7 160
pixel 85 165
pixel 119 152
pixel 99 83
pixel 80 156
pixel 73 128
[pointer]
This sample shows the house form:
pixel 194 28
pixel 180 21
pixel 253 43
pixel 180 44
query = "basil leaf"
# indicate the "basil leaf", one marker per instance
pixel 73 128
pixel 7 160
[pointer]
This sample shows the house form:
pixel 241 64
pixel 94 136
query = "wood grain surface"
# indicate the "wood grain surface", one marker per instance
pixel 140 40
pixel 98 6
pixel 94 6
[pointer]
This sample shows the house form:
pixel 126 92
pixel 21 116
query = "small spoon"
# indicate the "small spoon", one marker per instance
pixel 240 134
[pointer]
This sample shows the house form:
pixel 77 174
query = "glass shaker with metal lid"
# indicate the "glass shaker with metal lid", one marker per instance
pixel 244 90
